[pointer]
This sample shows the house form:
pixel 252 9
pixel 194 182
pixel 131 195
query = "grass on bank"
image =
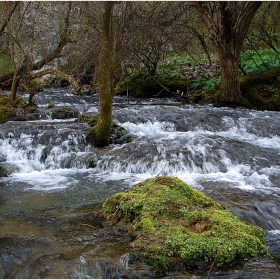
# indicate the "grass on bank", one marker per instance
pixel 6 63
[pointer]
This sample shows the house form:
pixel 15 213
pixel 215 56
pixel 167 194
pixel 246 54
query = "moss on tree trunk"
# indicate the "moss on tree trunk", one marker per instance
pixel 105 78
pixel 15 85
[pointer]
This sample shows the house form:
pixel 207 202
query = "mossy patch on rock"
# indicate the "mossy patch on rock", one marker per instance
pixel 8 108
pixel 173 222
pixel 6 114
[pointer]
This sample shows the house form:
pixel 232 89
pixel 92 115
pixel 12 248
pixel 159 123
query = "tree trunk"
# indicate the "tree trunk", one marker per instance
pixel 15 85
pixel 230 87
pixel 105 78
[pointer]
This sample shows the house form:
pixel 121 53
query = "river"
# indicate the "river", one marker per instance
pixel 56 178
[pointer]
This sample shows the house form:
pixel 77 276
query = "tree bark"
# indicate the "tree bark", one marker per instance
pixel 230 86
pixel 15 84
pixel 105 78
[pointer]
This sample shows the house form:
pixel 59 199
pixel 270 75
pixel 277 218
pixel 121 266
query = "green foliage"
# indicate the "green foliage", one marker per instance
pixel 175 221
pixel 175 72
pixel 6 114
pixel 262 60
pixel 205 84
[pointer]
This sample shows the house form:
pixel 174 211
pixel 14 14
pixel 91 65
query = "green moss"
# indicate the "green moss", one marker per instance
pixel 8 108
pixel 90 133
pixel 117 133
pixel 145 223
pixel 61 113
pixel 176 84
pixel 172 220
pixel 101 132
pixel 93 121
pixel 6 114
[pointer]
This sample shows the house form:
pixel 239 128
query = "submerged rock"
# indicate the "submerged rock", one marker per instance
pixel 177 227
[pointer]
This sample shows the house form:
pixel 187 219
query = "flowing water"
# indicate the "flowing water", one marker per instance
pixel 232 155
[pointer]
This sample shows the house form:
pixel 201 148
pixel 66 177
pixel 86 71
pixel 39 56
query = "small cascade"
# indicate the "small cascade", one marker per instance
pixel 223 145
pixel 36 147
pixel 233 155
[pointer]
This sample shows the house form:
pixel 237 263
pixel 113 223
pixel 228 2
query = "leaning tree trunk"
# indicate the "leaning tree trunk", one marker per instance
pixel 105 78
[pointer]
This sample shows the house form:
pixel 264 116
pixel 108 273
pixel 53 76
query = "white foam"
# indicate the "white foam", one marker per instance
pixel 149 128
pixel 275 232
pixel 46 180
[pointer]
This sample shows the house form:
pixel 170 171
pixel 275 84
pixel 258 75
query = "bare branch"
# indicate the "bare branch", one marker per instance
pixel 8 18
pixel 60 74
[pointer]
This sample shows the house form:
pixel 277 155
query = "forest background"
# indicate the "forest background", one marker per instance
pixel 220 52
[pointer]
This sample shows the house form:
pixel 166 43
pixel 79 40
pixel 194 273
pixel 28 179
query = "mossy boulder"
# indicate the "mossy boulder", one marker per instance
pixel 174 223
